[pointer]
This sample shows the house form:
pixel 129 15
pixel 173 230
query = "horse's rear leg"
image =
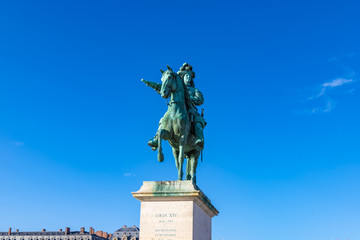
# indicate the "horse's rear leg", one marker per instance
pixel 192 162
pixel 188 167
pixel 182 143
pixel 176 156
pixel 160 136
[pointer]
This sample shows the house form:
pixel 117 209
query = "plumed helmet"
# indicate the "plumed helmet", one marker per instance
pixel 187 68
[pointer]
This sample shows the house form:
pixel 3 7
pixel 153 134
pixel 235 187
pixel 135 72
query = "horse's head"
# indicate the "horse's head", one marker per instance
pixel 168 80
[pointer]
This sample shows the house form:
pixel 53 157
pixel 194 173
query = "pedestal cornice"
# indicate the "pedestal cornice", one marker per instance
pixel 175 191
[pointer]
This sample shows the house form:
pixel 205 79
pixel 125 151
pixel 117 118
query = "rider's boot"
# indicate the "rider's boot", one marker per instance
pixel 153 143
pixel 199 136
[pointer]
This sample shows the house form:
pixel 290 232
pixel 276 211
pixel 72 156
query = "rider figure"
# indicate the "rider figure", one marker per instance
pixel 196 99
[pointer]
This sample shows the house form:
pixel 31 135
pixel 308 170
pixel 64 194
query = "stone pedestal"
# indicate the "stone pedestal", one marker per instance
pixel 174 210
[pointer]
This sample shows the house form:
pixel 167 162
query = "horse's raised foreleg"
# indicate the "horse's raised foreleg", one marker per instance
pixel 160 136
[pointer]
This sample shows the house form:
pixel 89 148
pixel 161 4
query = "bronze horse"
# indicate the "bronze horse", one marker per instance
pixel 176 126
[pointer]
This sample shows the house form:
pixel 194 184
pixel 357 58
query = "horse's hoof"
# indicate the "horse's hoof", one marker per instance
pixel 161 157
pixel 153 143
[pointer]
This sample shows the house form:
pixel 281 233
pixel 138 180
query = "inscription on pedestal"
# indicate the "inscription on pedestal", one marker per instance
pixel 166 226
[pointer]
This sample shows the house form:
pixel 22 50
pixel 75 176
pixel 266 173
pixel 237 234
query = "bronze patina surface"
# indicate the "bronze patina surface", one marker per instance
pixel 182 125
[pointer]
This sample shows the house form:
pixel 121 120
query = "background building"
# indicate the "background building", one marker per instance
pixel 126 233
pixel 60 235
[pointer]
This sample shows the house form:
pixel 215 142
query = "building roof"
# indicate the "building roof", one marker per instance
pixel 41 233
pixel 128 231
pixel 46 233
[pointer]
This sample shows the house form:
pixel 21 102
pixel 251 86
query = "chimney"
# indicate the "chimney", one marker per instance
pixel 67 231
pixel 91 230
pixel 17 230
pixel 9 232
pixel 43 230
pixel 60 230
pixel 99 233
pixel 82 230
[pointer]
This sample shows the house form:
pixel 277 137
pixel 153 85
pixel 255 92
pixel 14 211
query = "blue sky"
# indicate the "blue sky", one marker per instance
pixel 281 87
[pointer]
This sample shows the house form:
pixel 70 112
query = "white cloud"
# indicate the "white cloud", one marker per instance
pixel 324 88
pixel 323 96
pixel 337 82
pixel 330 85
pixel 129 174
pixel 19 143
pixel 327 108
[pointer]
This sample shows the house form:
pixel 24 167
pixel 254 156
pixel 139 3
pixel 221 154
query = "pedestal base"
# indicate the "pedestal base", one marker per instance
pixel 174 210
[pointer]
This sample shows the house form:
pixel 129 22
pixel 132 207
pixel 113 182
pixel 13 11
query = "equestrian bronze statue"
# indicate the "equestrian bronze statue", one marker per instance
pixel 182 125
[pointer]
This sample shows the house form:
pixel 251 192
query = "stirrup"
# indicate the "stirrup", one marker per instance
pixel 200 143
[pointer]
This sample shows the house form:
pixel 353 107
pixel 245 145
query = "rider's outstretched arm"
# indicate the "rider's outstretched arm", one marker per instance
pixel 153 85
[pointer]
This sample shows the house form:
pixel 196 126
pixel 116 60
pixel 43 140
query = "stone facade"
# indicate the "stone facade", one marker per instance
pixel 56 235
